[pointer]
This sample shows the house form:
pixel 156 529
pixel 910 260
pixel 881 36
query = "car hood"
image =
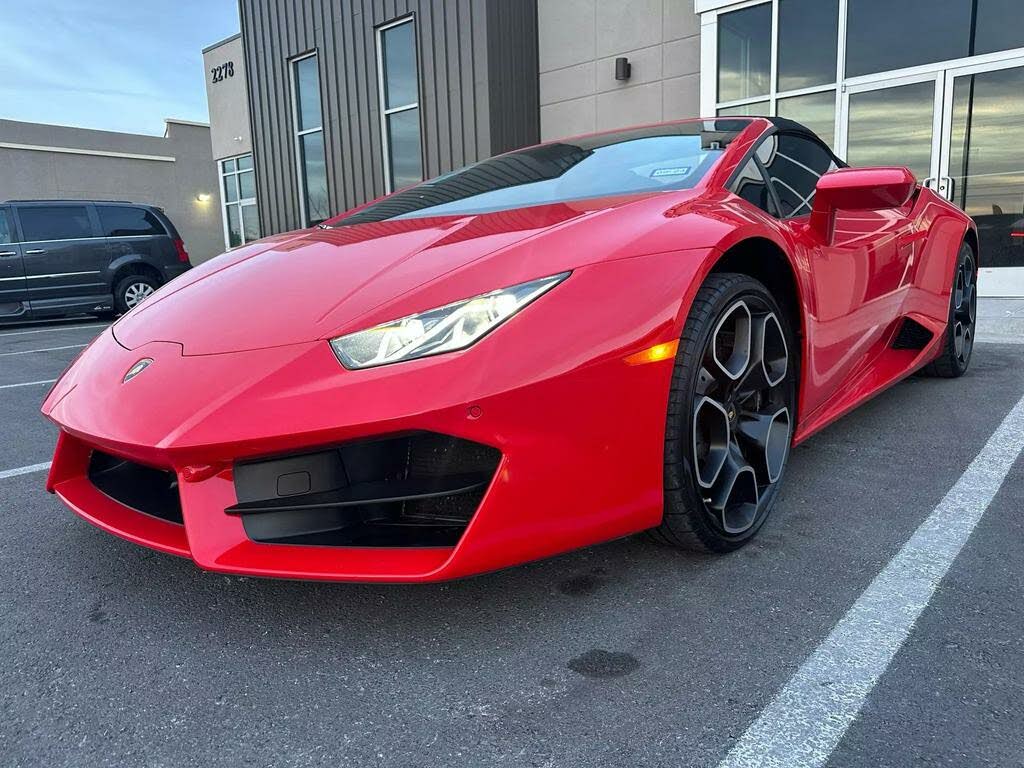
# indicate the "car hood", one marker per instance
pixel 313 284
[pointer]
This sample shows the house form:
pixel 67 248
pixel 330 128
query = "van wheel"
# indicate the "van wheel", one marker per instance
pixel 132 291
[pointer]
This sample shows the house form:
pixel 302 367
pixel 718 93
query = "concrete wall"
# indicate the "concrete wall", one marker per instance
pixel 228 99
pixel 579 41
pixel 169 171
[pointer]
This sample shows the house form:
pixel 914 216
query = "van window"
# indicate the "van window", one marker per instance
pixel 55 222
pixel 6 231
pixel 122 221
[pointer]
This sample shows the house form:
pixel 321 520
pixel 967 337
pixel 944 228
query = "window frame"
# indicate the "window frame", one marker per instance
pixel 240 202
pixel 298 134
pixel 385 111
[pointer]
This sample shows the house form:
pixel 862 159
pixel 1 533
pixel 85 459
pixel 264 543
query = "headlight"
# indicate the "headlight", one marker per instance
pixel 446 329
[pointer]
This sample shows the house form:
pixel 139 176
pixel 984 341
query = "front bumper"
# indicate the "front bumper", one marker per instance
pixel 580 435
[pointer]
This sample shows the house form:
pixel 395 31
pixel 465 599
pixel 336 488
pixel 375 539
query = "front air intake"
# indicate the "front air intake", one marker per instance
pixel 412 490
pixel 145 489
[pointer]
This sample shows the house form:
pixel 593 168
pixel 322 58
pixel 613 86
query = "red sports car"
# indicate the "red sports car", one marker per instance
pixel 555 347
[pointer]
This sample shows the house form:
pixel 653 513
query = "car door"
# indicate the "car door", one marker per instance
pixel 65 257
pixel 859 279
pixel 13 291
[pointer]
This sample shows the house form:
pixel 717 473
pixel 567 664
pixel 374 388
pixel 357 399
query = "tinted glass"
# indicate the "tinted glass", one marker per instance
pixel 998 26
pixel 250 222
pixel 641 160
pixel 808 30
pixel 986 162
pixel 229 166
pixel 120 221
pixel 247 185
pixel 816 111
pixel 744 53
pixel 883 35
pixel 231 188
pixel 404 142
pixel 307 93
pixel 55 222
pixel 314 170
pixel 399 54
pixel 245 162
pixel 234 226
pixel 892 126
pixel 794 164
pixel 6 230
pixel 751 186
pixel 758 108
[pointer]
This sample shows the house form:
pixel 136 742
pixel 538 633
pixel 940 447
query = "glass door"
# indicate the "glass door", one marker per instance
pixel 894 121
pixel 982 165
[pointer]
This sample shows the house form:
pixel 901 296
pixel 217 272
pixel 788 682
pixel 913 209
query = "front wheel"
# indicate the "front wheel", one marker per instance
pixel 732 410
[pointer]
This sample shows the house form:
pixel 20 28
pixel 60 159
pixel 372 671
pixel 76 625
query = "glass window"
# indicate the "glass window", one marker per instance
pixel 998 26
pixel 404 144
pixel 883 35
pixel 310 141
pixel 6 230
pixel 307 93
pixel 121 221
pixel 314 169
pixel 399 57
pixel 808 31
pixel 744 53
pixel 892 126
pixel 55 222
pixel 816 111
pixel 399 97
pixel 234 226
pixel 986 163
pixel 641 160
pixel 757 109
pixel 794 164
pixel 240 214
pixel 751 186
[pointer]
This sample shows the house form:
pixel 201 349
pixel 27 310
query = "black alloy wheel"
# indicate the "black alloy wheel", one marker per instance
pixel 731 416
pixel 955 357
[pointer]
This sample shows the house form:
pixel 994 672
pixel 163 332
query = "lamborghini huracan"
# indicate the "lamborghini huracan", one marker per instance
pixel 558 346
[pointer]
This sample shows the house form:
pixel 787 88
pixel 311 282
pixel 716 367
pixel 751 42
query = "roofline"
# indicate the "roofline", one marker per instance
pixel 193 123
pixel 219 43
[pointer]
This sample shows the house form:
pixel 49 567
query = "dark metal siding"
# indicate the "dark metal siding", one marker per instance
pixel 478 89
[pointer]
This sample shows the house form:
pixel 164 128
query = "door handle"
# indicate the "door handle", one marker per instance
pixel 35 251
pixel 6 254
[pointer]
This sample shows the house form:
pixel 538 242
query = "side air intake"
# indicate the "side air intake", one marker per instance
pixel 912 335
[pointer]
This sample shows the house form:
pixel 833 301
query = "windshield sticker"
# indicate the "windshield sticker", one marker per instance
pixel 658 173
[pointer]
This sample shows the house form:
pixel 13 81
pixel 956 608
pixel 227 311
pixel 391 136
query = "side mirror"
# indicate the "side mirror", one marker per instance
pixel 858 189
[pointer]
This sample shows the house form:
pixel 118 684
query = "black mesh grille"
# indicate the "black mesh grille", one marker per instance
pixel 145 489
pixel 412 490
pixel 912 335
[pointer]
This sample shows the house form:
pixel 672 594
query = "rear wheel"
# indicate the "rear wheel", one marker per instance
pixel 955 357
pixel 132 291
pixel 732 408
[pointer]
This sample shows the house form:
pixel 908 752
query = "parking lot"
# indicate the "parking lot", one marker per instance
pixel 626 654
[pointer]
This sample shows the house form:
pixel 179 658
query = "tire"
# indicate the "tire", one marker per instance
pixel 129 292
pixel 734 415
pixel 955 357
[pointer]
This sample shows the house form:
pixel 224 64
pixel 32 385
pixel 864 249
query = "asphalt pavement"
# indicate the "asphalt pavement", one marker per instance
pixel 624 654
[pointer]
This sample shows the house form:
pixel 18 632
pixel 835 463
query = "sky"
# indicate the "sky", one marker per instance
pixel 117 65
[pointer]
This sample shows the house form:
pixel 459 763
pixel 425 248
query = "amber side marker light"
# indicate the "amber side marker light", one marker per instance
pixel 665 351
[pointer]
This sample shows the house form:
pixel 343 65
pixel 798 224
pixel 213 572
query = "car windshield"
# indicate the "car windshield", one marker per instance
pixel 641 160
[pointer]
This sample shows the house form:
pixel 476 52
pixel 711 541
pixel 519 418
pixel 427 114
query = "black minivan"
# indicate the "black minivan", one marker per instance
pixel 63 257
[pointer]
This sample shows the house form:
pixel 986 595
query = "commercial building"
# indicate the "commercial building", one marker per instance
pixel 173 171
pixel 349 99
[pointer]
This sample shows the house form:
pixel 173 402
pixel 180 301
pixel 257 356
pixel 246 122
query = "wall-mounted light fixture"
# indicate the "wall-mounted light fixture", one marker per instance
pixel 623 69
pixel 204 197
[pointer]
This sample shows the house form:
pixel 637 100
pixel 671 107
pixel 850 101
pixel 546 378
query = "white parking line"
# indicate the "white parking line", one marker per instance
pixel 48 349
pixel 56 328
pixel 27 384
pixel 803 724
pixel 5 473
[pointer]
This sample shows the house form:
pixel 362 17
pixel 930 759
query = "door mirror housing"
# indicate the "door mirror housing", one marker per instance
pixel 858 189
